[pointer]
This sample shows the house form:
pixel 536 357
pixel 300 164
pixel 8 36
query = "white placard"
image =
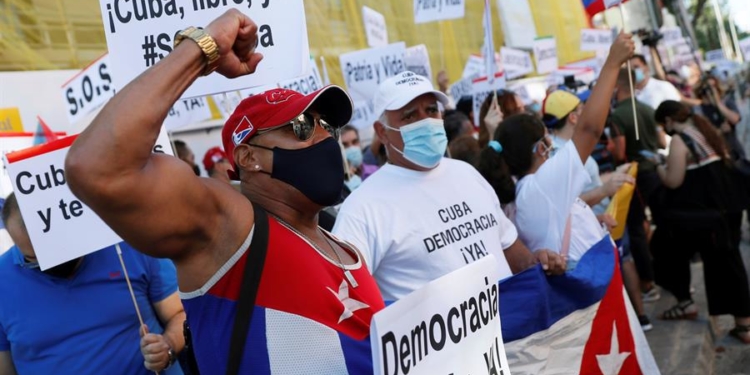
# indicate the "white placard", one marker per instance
pixel 450 326
pixel 610 3
pixel 596 39
pixel 60 226
pixel 545 54
pixel 8 144
pixel 682 48
pixel 516 62
pixel 364 70
pixel 745 48
pixel 475 68
pixel 481 89
pixel 438 10
pixel 715 55
pixel 671 36
pixel 518 24
pixel 461 88
pixel 375 27
pixel 305 84
pixel 136 45
pixel 227 102
pixel 417 60
pixel 187 111
pixel 89 89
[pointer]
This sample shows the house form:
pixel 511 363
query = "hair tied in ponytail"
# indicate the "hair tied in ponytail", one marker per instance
pixel 495 145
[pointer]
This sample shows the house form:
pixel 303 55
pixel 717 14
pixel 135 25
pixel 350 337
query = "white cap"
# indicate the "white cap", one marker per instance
pixel 397 91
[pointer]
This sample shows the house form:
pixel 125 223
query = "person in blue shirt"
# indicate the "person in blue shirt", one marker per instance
pixel 79 318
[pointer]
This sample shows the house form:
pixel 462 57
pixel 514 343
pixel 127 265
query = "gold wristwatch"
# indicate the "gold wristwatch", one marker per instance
pixel 206 43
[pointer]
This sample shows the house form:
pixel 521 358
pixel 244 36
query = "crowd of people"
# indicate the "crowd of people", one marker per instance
pixel 303 233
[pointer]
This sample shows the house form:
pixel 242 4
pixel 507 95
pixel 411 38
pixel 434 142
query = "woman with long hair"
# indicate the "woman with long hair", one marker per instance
pixel 699 209
pixel 493 110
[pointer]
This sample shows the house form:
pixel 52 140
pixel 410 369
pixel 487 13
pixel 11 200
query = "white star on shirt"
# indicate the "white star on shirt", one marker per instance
pixel 350 305
pixel 610 364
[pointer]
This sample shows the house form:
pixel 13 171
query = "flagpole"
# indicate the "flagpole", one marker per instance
pixel 630 79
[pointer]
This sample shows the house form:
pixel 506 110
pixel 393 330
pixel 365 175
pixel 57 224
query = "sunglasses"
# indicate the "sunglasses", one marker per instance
pixel 304 127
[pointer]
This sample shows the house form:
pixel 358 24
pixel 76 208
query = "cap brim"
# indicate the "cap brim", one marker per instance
pixel 333 104
pixel 406 98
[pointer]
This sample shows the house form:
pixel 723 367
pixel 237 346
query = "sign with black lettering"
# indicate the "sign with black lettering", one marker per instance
pixel 596 39
pixel 545 54
pixel 186 112
pixel 481 89
pixel 418 61
pixel 438 10
pixel 517 62
pixel 140 33
pixel 364 70
pixel 375 28
pixel 450 326
pixel 60 226
pixel 10 142
pixel 89 89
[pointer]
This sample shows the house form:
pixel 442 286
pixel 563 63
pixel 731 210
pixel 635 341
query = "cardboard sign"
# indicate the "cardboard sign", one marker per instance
pixel 140 33
pixel 450 326
pixel 545 54
pixel 10 120
pixel 481 89
pixel 596 40
pixel 88 90
pixel 516 62
pixel 61 227
pixel 438 10
pixel 745 48
pixel 418 61
pixel 364 70
pixel 186 112
pixel 375 27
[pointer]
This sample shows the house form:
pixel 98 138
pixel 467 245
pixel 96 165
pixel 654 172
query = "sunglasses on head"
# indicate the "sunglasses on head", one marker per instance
pixel 304 127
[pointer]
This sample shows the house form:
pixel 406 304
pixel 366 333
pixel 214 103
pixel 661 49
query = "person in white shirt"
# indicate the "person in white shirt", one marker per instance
pixel 649 90
pixel 422 216
pixel 549 213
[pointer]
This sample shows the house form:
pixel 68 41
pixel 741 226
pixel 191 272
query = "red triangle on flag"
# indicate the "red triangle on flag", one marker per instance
pixel 610 349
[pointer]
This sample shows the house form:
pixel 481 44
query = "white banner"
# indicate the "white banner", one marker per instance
pixel 61 227
pixel 450 326
pixel 516 62
pixel 518 24
pixel 375 27
pixel 364 70
pixel 418 61
pixel 88 90
pixel 187 111
pixel 140 33
pixel 481 89
pixel 438 10
pixel 715 55
pixel 545 54
pixel 596 39
pixel 671 36
pixel 745 48
pixel 10 142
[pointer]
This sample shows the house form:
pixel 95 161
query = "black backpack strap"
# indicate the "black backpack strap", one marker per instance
pixel 256 257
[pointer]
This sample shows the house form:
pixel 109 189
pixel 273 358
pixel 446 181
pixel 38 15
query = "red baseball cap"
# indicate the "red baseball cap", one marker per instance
pixel 213 156
pixel 278 107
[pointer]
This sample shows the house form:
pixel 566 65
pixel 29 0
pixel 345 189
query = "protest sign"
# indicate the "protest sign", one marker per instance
pixel 610 3
pixel 307 83
pixel 545 54
pixel 140 33
pixel 450 326
pixel 438 10
pixel 516 62
pixel 517 21
pixel 375 27
pixel 596 39
pixel 481 89
pixel 475 67
pixel 715 55
pixel 417 60
pixel 227 102
pixel 461 88
pixel 671 36
pixel 61 227
pixel 10 120
pixel 10 142
pixel 364 70
pixel 88 89
pixel 186 112
pixel 745 48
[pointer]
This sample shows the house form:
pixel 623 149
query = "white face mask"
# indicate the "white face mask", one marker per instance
pixel 425 142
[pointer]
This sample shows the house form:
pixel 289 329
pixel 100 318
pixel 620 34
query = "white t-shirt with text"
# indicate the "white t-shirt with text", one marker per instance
pixel 545 200
pixel 414 227
pixel 656 92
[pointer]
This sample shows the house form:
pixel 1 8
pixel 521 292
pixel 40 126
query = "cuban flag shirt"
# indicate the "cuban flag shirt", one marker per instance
pixel 308 318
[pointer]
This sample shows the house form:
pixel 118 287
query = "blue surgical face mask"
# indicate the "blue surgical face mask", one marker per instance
pixel 639 76
pixel 354 156
pixel 424 142
pixel 353 182
pixel 535 107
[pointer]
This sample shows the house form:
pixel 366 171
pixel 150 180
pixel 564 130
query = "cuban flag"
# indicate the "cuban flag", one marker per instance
pixel 597 6
pixel 578 323
pixel 43 133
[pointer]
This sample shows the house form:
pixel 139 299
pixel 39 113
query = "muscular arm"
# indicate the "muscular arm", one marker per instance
pixel 594 115
pixel 6 364
pixel 153 201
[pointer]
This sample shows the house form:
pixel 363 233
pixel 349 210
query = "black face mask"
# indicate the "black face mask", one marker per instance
pixel 64 270
pixel 316 171
pixel 196 170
